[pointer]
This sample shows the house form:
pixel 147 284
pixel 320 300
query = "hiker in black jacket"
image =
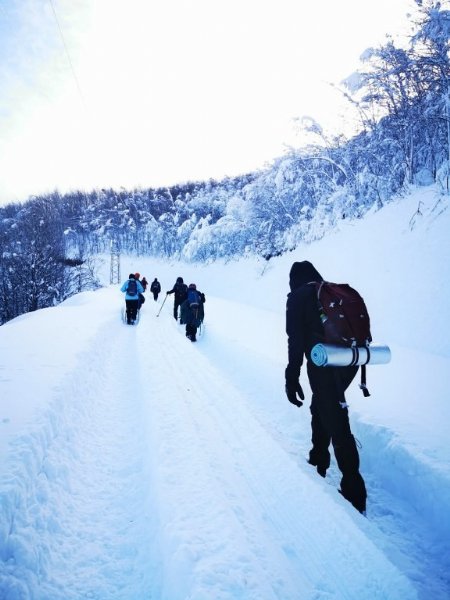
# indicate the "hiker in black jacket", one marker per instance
pixel 137 276
pixel 329 413
pixel 155 288
pixel 180 291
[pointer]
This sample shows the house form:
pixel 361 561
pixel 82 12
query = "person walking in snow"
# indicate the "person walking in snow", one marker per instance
pixel 132 289
pixel 141 294
pixel 180 291
pixel 329 412
pixel 144 283
pixel 192 311
pixel 155 289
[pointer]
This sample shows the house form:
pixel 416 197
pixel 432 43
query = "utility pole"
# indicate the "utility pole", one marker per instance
pixel 114 276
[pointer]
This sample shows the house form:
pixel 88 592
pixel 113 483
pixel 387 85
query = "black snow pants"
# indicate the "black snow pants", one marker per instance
pixel 330 424
pixel 191 332
pixel 176 304
pixel 132 308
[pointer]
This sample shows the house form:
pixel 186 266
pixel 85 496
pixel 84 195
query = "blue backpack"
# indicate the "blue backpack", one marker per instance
pixel 132 288
pixel 193 298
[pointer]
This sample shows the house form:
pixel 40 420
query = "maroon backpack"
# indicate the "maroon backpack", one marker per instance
pixel 344 317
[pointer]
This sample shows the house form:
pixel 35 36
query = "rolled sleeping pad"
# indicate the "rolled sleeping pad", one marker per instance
pixel 328 355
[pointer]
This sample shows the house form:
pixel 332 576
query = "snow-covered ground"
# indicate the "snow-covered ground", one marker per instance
pixel 136 465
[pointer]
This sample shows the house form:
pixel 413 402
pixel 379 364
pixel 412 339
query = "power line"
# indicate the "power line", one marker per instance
pixel 67 54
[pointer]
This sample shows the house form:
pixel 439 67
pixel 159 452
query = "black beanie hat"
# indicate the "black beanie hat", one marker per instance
pixel 301 273
pixel 131 276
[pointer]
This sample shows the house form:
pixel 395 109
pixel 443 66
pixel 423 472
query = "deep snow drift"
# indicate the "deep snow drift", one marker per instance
pixel 136 465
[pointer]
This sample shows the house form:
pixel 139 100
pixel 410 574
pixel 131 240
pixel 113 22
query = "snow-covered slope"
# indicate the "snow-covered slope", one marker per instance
pixel 135 465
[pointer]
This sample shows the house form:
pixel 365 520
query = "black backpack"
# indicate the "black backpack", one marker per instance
pixel 180 291
pixel 132 288
pixel 344 314
pixel 345 318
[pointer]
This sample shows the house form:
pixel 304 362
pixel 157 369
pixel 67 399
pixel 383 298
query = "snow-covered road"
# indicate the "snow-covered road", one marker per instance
pixel 151 467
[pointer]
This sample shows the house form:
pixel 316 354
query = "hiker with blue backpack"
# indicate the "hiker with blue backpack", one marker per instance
pixel 306 327
pixel 192 311
pixel 132 288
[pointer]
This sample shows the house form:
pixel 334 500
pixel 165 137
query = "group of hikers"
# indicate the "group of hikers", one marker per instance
pixel 134 288
pixel 187 299
pixel 329 411
pixel 191 302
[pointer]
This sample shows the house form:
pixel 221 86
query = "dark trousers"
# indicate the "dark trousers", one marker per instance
pixel 191 331
pixel 132 308
pixel 176 304
pixel 330 424
pixel 155 296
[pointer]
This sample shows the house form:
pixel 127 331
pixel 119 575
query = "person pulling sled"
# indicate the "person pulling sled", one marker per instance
pixel 132 288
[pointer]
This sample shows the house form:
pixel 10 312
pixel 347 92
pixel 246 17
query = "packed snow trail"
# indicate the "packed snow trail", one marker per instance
pixel 90 501
pixel 154 480
pixel 219 475
pixel 408 480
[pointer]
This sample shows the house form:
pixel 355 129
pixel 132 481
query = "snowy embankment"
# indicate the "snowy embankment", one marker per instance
pixel 134 464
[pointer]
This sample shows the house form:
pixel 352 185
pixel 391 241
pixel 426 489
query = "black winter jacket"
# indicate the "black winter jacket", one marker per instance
pixel 180 290
pixel 303 326
pixel 155 287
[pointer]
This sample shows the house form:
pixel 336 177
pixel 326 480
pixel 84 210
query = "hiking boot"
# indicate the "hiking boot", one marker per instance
pixel 322 471
pixel 353 489
pixel 359 505
pixel 319 468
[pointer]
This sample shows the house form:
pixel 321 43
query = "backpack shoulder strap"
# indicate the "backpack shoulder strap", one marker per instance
pixel 363 384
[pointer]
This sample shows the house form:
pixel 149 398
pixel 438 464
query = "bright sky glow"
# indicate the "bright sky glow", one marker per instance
pixel 162 92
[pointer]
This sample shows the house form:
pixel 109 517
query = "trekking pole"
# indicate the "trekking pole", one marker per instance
pixel 162 305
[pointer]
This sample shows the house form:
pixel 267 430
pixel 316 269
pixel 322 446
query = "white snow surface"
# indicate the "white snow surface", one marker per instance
pixel 137 465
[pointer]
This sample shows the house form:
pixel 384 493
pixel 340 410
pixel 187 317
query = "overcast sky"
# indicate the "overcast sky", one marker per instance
pixel 100 93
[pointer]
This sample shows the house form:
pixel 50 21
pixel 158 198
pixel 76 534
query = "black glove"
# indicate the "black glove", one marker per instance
pixel 294 389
